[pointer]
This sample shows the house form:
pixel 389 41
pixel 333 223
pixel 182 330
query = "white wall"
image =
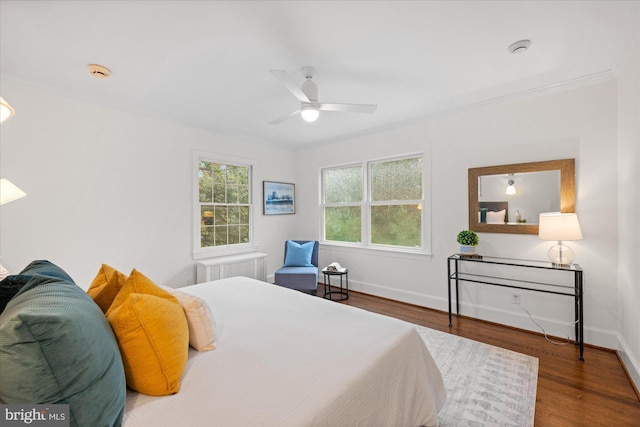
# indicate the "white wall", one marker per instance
pixel 578 123
pixel 105 186
pixel 629 207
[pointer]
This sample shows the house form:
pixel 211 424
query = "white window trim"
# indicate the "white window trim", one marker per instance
pixel 425 250
pixel 215 251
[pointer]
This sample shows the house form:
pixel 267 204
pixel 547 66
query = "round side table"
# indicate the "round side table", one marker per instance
pixel 343 293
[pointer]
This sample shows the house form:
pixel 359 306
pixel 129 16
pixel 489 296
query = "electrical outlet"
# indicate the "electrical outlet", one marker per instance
pixel 515 298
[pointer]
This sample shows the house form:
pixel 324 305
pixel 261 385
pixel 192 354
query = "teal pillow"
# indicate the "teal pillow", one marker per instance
pixel 11 285
pixel 299 255
pixel 57 347
pixel 45 268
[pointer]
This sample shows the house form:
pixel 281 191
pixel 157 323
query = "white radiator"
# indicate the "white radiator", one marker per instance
pixel 252 265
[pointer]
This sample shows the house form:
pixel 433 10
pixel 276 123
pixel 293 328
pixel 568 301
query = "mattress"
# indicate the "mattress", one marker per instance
pixel 285 358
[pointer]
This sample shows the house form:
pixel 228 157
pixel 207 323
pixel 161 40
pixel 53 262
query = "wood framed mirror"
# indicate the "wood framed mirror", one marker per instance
pixel 534 188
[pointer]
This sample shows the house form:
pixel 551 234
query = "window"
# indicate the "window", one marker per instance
pixel 377 204
pixel 223 207
pixel 343 204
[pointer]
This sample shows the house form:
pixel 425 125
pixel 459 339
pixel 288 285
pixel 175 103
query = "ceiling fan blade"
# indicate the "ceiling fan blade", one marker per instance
pixel 288 82
pixel 285 117
pixel 349 108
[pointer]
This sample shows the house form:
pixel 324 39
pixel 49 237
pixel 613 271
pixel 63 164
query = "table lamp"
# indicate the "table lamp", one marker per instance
pixel 6 111
pixel 8 193
pixel 559 226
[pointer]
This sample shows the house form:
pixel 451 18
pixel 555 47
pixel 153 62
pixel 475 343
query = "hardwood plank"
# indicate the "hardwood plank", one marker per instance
pixel 593 392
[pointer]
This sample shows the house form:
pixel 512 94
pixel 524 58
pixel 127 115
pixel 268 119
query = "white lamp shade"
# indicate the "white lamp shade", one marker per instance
pixel 5 110
pixel 9 192
pixel 3 272
pixel 559 226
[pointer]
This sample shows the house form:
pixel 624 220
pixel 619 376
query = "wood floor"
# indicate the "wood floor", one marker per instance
pixel 596 392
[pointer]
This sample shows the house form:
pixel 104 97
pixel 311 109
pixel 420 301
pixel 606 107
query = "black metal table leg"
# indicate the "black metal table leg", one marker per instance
pixel 449 288
pixel 457 290
pixel 580 313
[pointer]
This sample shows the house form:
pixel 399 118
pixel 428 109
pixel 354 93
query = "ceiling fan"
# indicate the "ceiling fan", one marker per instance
pixel 307 94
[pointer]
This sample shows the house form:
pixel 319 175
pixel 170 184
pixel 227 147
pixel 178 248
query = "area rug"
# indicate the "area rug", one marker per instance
pixel 486 385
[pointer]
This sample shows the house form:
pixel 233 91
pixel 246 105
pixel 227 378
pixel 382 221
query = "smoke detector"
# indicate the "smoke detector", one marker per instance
pixel 519 46
pixel 99 71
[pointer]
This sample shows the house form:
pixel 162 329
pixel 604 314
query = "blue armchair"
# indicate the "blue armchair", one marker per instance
pixel 300 269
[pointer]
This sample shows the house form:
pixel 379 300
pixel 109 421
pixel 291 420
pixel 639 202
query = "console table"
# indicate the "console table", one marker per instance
pixel 515 281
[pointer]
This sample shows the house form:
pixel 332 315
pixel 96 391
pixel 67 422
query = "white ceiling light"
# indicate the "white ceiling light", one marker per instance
pixel 309 113
pixel 5 110
pixel 519 46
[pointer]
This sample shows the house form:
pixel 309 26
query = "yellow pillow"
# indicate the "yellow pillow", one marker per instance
pixel 152 334
pixel 106 286
pixel 138 283
pixel 202 325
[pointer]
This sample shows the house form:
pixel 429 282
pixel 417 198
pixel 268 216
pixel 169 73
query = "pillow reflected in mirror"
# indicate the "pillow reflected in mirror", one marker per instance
pixel 496 217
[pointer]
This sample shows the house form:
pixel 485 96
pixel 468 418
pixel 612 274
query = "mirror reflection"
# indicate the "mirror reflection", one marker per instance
pixel 510 198
pixel 518 198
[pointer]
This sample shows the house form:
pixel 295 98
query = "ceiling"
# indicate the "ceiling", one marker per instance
pixel 206 63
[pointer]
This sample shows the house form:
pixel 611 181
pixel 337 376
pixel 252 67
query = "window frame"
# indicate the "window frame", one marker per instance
pixel 200 252
pixel 367 203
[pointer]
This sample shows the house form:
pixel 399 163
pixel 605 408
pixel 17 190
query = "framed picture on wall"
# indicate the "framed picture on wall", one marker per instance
pixel 279 198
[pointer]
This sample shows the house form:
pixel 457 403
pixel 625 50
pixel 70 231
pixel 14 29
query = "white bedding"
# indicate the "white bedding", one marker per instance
pixel 284 358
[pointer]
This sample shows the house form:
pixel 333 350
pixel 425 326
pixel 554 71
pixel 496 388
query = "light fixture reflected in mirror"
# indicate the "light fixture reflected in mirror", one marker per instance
pixel 511 190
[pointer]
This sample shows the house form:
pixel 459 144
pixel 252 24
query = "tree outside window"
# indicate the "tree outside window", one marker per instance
pixel 224 200
pixel 378 203
pixel 343 203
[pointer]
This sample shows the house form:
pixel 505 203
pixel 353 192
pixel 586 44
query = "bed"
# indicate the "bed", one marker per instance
pixel 284 358
pixel 268 355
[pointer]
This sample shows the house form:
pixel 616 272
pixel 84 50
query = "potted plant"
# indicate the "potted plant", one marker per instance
pixel 468 241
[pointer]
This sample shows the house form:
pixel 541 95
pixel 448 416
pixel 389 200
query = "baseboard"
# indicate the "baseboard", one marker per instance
pixel 593 336
pixel 399 295
pixel 630 363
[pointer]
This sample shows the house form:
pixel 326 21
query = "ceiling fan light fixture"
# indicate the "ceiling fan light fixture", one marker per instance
pixel 309 113
pixel 308 97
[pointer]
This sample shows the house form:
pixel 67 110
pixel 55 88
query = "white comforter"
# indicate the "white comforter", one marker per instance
pixel 284 358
